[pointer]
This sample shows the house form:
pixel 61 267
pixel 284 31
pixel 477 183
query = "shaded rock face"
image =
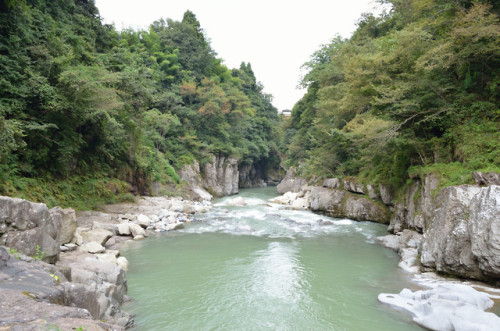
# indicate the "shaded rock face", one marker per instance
pixel 340 203
pixel 416 207
pixel 26 225
pixel 460 226
pixel 463 238
pixel 291 183
pixel 252 175
pixel 219 176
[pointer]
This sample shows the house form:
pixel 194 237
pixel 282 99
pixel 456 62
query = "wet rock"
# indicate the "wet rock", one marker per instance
pixel 139 237
pixel 340 203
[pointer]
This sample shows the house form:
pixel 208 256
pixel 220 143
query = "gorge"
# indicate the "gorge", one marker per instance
pixel 141 150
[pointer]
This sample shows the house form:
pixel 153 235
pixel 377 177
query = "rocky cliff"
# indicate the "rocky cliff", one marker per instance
pixel 337 198
pixel 454 230
pixel 218 177
pixel 224 176
pixel 460 226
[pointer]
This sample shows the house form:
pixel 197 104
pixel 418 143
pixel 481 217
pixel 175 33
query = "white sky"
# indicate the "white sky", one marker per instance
pixel 275 36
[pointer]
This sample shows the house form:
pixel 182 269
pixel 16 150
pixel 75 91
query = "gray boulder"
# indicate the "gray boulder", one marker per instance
pixel 100 236
pixel 28 227
pixel 340 203
pixel 67 220
pixel 291 183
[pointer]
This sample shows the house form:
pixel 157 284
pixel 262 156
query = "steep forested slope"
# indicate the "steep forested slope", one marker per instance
pixel 412 91
pixel 84 109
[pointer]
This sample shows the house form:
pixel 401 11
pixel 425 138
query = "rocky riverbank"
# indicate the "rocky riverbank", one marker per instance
pixel 85 282
pixel 453 231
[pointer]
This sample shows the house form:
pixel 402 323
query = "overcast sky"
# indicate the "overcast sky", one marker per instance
pixel 275 36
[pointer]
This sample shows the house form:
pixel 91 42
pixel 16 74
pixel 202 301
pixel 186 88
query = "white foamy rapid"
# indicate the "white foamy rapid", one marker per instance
pixel 256 216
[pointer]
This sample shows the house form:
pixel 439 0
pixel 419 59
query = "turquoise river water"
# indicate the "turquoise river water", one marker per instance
pixel 261 267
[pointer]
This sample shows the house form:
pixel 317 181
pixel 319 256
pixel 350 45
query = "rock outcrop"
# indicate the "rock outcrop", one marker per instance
pixel 341 203
pixel 29 227
pixel 88 273
pixel 35 295
pixel 460 227
pixel 219 176
pixel 291 183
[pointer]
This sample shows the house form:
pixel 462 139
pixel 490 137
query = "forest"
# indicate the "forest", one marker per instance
pixel 88 113
pixel 412 91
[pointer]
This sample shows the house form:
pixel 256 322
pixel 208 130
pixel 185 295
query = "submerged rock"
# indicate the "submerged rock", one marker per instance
pixel 237 202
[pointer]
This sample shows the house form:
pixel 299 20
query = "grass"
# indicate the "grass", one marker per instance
pixel 78 192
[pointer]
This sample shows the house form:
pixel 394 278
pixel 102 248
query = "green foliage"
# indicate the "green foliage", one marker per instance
pixel 82 105
pixel 415 90
pixel 39 254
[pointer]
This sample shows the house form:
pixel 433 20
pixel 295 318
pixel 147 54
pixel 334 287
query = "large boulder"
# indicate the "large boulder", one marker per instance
pixel 100 288
pixel 29 227
pixel 291 183
pixel 340 203
pixel 100 236
pixel 67 220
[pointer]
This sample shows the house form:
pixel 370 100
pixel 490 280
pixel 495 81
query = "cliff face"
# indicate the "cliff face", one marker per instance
pixel 460 227
pixel 220 177
pixel 455 230
pixel 224 176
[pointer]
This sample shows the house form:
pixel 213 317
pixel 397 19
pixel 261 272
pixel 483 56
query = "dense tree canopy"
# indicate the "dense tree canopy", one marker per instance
pixel 78 98
pixel 416 89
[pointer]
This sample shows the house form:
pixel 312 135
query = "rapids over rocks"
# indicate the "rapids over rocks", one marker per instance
pixel 261 267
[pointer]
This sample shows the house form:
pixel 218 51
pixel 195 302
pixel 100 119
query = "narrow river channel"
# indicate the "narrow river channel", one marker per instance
pixel 261 267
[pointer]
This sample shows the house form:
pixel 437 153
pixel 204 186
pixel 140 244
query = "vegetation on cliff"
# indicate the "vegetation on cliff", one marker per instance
pixel 414 90
pixel 84 106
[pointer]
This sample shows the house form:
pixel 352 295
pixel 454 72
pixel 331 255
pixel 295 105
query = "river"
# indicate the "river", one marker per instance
pixel 261 267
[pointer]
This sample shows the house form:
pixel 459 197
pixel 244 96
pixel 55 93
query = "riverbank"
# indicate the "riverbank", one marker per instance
pixel 86 283
pixel 450 230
